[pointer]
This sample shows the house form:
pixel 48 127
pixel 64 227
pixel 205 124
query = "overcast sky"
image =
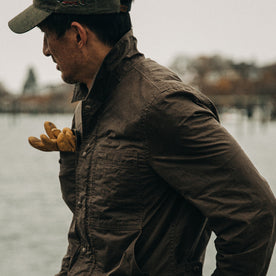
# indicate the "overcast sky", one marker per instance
pixel 239 29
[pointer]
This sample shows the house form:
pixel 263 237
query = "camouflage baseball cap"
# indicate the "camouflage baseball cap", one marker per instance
pixel 41 9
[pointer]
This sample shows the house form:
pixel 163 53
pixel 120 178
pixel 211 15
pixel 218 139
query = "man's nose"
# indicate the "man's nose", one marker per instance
pixel 46 50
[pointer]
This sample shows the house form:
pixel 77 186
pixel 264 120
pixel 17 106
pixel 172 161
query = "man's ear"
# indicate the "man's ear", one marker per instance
pixel 80 33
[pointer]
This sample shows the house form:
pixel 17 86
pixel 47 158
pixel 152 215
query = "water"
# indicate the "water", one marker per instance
pixel 34 220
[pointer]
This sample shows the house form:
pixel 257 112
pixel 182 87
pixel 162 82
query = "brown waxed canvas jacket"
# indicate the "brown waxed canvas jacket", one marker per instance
pixel 154 174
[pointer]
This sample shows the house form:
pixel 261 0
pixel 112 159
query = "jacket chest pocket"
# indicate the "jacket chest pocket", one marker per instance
pixel 115 192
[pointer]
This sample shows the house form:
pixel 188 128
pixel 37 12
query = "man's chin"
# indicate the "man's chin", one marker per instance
pixel 68 80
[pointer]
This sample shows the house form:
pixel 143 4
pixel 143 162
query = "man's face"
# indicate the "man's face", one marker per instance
pixel 64 53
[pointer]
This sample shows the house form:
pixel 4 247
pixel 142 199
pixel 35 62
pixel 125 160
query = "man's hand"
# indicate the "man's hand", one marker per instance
pixel 56 140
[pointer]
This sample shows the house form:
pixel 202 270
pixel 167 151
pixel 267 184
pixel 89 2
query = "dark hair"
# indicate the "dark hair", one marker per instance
pixel 109 28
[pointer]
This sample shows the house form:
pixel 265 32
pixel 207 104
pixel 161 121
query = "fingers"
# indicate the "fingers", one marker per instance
pixel 50 144
pixel 36 143
pixel 66 140
pixel 70 136
pixel 57 140
pixel 55 132
pixel 67 129
pixel 48 128
pixel 63 143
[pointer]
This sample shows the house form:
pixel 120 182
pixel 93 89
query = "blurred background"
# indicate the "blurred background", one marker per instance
pixel 227 49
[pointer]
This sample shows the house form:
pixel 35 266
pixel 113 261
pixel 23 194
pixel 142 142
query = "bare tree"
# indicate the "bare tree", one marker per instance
pixel 30 84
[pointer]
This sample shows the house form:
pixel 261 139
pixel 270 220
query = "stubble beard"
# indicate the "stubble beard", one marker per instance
pixel 69 79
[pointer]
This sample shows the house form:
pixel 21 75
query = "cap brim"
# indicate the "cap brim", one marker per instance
pixel 27 20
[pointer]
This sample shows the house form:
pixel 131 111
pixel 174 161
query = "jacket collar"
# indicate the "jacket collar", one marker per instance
pixel 110 70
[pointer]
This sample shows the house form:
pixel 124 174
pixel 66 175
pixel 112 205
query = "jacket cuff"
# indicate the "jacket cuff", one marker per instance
pixel 67 158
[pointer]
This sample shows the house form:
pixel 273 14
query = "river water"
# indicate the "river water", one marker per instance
pixel 33 218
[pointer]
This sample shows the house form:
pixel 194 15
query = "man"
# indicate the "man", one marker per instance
pixel 153 172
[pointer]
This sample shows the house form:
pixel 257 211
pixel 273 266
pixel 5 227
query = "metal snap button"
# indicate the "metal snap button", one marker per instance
pixel 87 108
pixel 197 268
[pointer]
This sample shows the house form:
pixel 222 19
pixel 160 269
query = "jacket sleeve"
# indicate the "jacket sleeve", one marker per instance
pixel 201 160
pixel 72 250
pixel 67 175
pixel 67 183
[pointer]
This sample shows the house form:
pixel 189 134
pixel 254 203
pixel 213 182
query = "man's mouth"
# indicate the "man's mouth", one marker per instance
pixel 56 64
